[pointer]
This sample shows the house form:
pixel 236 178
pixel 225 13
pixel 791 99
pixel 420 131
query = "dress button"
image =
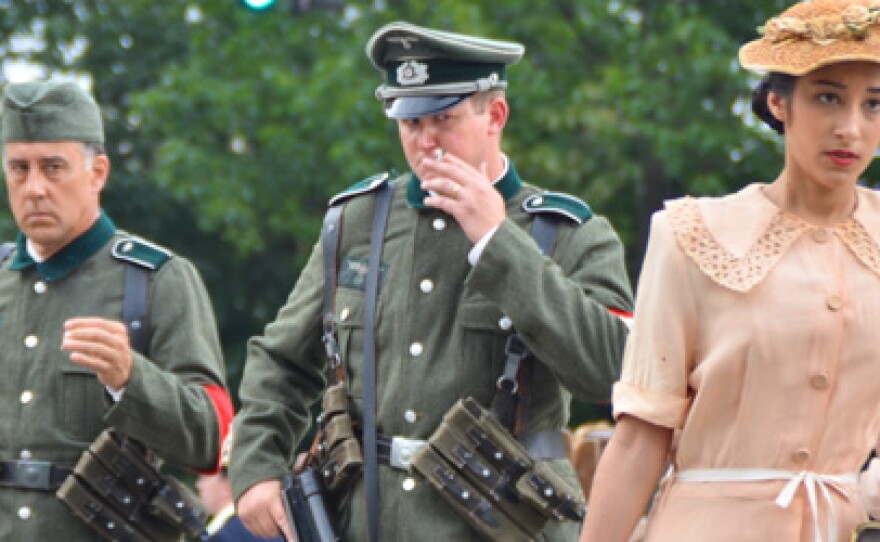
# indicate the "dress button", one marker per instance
pixel 505 323
pixel 410 416
pixel 24 454
pixel 834 303
pixel 801 456
pixel 40 287
pixel 821 235
pixel 24 512
pixel 820 382
pixel 127 246
pixel 416 349
pixel 31 341
pixel 26 397
pixel 344 314
pixel 426 286
pixel 409 483
pixel 439 224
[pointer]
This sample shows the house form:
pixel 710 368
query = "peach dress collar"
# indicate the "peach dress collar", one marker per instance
pixel 736 240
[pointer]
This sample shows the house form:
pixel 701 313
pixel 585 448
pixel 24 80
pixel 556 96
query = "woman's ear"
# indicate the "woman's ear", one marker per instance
pixel 777 106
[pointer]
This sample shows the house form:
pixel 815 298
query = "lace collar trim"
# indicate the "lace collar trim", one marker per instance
pixel 737 250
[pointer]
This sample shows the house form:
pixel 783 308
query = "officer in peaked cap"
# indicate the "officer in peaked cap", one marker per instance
pixel 460 272
pixel 73 363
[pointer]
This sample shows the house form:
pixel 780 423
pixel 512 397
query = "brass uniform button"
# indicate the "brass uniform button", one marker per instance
pixel 416 349
pixel 409 483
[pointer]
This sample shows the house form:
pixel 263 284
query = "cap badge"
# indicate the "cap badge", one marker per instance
pixel 412 73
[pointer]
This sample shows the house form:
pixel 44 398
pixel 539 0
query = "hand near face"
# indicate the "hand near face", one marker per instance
pixel 101 345
pixel 463 192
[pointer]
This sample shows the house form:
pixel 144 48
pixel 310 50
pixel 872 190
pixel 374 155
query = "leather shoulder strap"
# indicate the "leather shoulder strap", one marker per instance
pixel 371 465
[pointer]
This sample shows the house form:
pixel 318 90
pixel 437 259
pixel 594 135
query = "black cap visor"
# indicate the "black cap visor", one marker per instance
pixel 411 107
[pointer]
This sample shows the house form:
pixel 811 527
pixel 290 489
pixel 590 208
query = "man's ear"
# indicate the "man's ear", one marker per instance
pixel 100 172
pixel 498 113
pixel 778 106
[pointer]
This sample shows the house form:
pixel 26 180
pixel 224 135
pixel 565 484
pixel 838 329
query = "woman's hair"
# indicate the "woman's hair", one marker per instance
pixel 777 83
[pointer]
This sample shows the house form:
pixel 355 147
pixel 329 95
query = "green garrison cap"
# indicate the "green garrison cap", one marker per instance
pixel 50 111
pixel 428 71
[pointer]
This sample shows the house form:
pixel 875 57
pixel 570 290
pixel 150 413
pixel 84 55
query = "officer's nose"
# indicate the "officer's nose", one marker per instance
pixel 34 185
pixel 427 137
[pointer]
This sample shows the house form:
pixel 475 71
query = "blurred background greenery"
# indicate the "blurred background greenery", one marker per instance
pixel 229 128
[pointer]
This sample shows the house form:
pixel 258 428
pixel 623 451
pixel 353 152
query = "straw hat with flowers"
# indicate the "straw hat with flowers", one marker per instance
pixel 813 34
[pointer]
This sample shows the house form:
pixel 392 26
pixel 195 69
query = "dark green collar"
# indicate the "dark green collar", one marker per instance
pixel 508 185
pixel 70 257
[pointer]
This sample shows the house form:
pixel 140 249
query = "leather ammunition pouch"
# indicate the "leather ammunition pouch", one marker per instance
pixel 867 532
pixel 491 480
pixel 338 453
pixel 121 495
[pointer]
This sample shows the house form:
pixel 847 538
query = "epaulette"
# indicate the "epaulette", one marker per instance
pixel 140 252
pixel 560 204
pixel 6 250
pixel 367 185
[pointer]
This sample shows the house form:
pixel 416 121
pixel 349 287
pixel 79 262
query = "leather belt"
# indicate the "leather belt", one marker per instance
pixel 397 452
pixel 30 474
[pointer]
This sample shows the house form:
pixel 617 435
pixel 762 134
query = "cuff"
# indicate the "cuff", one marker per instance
pixel 657 408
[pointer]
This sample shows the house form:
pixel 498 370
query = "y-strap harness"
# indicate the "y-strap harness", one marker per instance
pixel 510 399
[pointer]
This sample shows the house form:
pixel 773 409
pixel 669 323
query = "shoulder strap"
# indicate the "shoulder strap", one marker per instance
pixel 6 250
pixel 134 307
pixel 508 395
pixel 141 258
pixel 330 248
pixel 371 465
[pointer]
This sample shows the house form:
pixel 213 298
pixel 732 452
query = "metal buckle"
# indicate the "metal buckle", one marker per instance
pixel 402 451
pixel 29 474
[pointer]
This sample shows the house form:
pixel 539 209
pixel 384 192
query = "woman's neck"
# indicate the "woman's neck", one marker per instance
pixel 815 204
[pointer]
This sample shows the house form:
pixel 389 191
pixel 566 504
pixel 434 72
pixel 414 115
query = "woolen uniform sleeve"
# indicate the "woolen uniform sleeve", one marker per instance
pixel 660 349
pixel 175 401
pixel 283 377
pixel 560 306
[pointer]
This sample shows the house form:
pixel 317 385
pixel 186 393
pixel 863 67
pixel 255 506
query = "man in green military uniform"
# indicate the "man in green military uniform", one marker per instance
pixel 459 273
pixel 68 368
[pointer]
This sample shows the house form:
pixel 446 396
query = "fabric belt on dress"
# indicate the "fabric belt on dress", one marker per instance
pixel 397 452
pixel 810 480
pixel 29 474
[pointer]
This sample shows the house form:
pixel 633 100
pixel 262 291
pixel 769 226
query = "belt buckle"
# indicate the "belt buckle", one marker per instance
pixel 402 451
pixel 29 474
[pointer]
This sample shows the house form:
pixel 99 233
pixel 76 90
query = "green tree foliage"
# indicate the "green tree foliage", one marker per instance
pixel 230 128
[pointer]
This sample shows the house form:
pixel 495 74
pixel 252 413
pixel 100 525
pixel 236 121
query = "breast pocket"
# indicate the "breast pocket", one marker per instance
pixel 350 315
pixel 481 359
pixel 82 406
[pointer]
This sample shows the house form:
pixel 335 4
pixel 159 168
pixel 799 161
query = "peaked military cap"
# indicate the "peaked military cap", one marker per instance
pixel 428 71
pixel 50 111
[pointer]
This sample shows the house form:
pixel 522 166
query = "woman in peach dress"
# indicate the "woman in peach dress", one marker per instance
pixel 753 367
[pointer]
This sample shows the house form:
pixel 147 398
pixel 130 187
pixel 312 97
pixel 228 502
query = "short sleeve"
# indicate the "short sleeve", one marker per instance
pixel 660 349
